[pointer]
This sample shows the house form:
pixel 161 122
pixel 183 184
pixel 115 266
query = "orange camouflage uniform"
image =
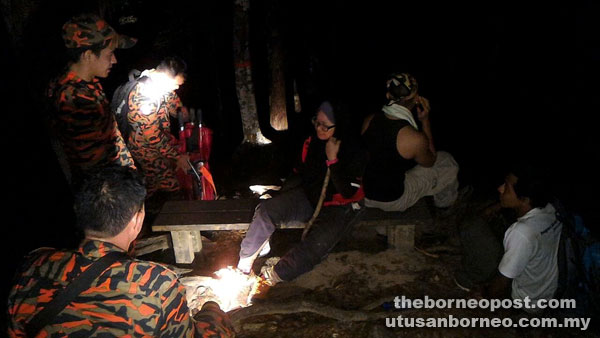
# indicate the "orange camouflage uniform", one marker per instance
pixel 150 140
pixel 84 124
pixel 131 298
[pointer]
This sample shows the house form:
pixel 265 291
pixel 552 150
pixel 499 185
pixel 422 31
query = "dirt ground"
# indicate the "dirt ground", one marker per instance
pixel 360 273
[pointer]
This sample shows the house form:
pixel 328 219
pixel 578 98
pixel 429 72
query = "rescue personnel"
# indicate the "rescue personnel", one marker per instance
pixel 150 141
pixel 129 298
pixel 81 118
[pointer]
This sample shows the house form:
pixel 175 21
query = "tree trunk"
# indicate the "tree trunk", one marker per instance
pixel 277 91
pixel 243 74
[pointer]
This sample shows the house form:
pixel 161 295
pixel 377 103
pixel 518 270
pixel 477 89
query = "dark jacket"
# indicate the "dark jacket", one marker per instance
pixel 345 182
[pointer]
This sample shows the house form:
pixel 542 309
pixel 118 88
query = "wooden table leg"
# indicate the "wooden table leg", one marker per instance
pixel 183 245
pixel 197 240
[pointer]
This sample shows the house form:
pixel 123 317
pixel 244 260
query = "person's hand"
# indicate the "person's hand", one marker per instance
pixel 211 305
pixel 219 322
pixel 182 162
pixel 492 209
pixel 332 147
pixel 226 324
pixel 432 148
pixel 423 108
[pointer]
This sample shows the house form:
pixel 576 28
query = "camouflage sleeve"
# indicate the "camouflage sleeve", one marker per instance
pixel 173 103
pixel 145 116
pixel 124 157
pixel 72 99
pixel 175 320
pixel 84 117
pixel 21 306
pixel 212 322
pixel 78 112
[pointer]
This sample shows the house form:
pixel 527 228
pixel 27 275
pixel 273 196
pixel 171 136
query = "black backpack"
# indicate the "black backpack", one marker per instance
pixel 578 265
pixel 120 102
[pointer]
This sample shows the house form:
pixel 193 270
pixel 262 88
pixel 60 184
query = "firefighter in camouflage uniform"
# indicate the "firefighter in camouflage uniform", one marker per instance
pixel 151 103
pixel 131 297
pixel 81 118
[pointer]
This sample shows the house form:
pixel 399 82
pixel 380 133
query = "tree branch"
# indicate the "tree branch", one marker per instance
pixel 304 306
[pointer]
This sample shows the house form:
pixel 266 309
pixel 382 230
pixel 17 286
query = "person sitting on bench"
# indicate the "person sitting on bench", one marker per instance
pixel 326 150
pixel 403 164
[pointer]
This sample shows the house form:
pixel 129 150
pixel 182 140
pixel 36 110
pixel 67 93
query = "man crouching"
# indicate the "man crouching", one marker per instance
pixel 129 298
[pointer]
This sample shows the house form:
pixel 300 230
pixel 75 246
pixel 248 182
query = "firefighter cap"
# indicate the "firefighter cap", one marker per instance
pixel 89 30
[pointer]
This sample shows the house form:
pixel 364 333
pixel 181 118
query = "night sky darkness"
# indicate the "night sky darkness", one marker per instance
pixel 506 81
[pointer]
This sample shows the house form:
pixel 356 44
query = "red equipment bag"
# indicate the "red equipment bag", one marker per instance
pixel 197 183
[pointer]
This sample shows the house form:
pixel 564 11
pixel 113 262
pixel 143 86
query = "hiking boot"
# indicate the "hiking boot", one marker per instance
pixel 245 264
pixel 269 275
pixel 268 278
pixel 265 250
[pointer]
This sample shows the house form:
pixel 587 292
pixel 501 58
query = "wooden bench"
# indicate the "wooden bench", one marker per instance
pixel 185 220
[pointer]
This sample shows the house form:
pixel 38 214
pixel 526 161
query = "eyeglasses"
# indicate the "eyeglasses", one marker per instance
pixel 321 124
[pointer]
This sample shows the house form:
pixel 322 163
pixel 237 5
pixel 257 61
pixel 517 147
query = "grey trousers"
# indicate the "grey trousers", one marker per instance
pixel 290 207
pixel 333 223
pixel 439 181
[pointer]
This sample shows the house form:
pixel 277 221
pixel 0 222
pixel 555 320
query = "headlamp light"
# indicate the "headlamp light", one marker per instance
pixel 159 85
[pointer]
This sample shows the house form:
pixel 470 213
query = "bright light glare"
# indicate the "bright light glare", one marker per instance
pixel 261 139
pixel 160 85
pixel 261 189
pixel 146 109
pixel 233 288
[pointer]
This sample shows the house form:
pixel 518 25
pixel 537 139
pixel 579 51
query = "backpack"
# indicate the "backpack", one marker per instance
pixel 120 102
pixel 578 265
